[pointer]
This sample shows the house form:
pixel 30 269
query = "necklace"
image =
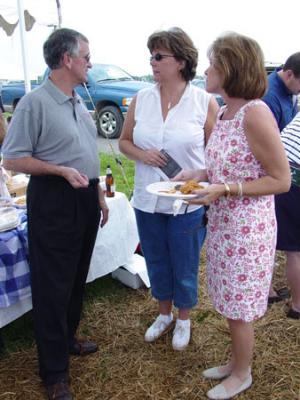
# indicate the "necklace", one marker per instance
pixel 173 100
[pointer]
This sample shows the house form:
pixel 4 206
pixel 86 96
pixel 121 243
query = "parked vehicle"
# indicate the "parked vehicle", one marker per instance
pixel 109 91
pixel 200 82
pixel 271 66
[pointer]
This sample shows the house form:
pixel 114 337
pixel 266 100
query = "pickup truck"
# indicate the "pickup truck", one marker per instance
pixel 107 94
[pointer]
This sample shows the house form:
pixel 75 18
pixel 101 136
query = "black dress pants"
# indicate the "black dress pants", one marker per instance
pixel 62 228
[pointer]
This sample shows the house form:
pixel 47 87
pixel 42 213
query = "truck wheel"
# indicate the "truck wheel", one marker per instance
pixel 109 122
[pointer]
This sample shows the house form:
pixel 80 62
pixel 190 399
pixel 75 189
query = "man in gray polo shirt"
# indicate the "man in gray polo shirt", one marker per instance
pixel 53 138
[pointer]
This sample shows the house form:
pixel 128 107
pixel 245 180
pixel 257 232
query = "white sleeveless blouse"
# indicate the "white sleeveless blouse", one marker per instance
pixel 181 135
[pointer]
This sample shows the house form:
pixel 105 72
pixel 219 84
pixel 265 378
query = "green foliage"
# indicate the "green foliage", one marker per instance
pixel 18 335
pixel 128 166
pixel 144 78
pixel 105 287
pixel 201 316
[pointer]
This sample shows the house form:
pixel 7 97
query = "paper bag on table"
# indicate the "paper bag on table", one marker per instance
pixel 4 193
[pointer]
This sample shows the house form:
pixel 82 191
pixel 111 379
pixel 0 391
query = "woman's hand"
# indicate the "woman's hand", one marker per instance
pixel 154 158
pixel 208 195
pixel 187 175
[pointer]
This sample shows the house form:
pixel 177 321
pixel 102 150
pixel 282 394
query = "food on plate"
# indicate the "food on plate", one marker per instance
pixel 189 186
pixel 185 188
pixel 170 191
pixel 21 201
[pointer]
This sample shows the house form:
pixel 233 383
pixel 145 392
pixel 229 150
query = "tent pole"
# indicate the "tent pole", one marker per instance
pixel 59 13
pixel 23 45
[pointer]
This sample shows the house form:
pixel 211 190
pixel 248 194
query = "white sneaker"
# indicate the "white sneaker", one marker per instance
pixel 159 327
pixel 182 334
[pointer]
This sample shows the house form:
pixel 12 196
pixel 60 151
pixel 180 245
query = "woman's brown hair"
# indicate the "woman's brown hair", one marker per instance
pixel 240 61
pixel 180 45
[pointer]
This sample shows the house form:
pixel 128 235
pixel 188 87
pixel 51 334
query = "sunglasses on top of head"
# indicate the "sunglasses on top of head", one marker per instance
pixel 159 57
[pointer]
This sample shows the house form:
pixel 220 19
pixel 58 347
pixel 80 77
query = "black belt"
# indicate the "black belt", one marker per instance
pixel 93 182
pixel 55 178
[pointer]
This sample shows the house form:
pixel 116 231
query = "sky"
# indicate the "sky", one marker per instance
pixel 118 30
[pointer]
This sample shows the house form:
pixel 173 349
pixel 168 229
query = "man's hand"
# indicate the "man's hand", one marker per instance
pixel 104 212
pixel 75 178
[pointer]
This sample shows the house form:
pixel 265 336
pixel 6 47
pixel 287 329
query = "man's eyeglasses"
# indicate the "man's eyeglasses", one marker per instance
pixel 159 57
pixel 87 58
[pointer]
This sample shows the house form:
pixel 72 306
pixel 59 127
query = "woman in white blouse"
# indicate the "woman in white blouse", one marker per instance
pixel 178 117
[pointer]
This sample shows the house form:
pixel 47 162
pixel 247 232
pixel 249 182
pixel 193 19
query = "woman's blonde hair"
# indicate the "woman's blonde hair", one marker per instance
pixel 240 61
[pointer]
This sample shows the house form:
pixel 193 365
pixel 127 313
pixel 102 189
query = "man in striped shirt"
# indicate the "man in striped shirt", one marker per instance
pixel 291 139
pixel 288 216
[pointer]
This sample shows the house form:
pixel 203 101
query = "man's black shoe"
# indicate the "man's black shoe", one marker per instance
pixel 82 347
pixel 59 391
pixel 291 313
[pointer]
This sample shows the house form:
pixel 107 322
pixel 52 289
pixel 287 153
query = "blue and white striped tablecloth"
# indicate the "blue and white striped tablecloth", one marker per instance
pixel 14 269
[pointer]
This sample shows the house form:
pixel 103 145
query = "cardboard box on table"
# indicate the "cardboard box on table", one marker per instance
pixel 17 185
pixel 133 274
pixel 17 190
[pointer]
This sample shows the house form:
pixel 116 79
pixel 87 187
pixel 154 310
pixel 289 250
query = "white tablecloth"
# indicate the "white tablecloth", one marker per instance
pixel 117 240
pixel 115 244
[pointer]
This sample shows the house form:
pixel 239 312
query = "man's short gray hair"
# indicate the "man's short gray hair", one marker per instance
pixel 61 41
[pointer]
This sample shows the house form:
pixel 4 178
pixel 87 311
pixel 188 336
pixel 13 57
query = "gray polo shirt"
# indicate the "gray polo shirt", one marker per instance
pixel 52 127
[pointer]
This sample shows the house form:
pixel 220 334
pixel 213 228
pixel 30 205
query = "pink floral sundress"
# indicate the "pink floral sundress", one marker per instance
pixel 241 234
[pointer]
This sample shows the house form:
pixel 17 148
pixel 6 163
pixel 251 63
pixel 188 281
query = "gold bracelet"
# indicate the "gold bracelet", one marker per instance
pixel 227 190
pixel 240 189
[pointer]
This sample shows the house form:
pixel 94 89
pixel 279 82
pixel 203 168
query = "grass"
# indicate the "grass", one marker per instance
pixel 19 335
pixel 128 167
pixel 126 368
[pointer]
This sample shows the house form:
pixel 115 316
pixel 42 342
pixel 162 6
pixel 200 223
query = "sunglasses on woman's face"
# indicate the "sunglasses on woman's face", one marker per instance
pixel 159 57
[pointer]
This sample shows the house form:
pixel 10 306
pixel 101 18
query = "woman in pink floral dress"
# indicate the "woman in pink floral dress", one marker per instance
pixel 244 175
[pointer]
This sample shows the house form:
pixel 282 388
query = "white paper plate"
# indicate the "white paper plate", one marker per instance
pixel 9 227
pixel 9 218
pixel 161 188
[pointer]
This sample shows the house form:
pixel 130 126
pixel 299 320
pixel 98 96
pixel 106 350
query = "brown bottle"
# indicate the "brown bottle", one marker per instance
pixel 109 182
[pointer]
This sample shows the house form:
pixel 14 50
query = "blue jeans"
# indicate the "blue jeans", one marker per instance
pixel 171 247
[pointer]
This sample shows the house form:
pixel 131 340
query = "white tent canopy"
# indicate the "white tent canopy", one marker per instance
pixel 24 46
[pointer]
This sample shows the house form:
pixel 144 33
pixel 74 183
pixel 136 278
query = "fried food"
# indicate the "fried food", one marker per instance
pixel 170 191
pixel 185 188
pixel 189 186
pixel 21 201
